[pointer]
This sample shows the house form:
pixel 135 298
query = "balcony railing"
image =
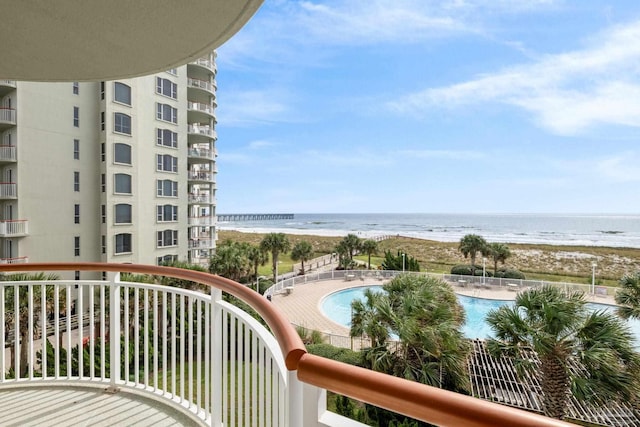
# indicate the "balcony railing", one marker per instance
pixel 14 228
pixel 8 153
pixel 202 220
pixel 204 176
pixel 7 115
pixel 200 243
pixel 202 153
pixel 200 354
pixel 202 130
pixel 211 65
pixel 15 260
pixel 200 84
pixel 204 108
pixel 8 190
pixel 200 198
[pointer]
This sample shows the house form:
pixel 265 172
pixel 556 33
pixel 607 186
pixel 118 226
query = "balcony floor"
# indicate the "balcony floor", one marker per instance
pixel 83 406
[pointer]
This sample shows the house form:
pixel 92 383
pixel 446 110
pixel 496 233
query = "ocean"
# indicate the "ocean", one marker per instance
pixel 556 229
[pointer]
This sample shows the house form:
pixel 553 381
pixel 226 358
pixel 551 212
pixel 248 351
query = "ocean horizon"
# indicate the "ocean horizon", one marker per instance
pixel 612 230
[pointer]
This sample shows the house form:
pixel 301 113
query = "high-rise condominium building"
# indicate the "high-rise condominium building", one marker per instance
pixel 118 171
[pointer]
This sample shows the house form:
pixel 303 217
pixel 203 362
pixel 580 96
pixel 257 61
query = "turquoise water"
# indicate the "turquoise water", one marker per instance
pixel 337 307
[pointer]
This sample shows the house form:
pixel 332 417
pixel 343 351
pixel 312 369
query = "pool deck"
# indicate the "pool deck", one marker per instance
pixel 302 306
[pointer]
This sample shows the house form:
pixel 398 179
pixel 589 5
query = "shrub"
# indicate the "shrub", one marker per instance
pixel 339 354
pixel 465 270
pixel 510 273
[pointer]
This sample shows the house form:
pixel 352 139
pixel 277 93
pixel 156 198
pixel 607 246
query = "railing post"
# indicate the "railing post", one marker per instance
pixel 114 333
pixel 215 331
pixel 296 401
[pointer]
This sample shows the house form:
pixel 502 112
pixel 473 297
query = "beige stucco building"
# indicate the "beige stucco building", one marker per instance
pixel 118 171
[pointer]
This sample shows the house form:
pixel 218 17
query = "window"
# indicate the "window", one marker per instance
pixel 122 123
pixel 166 213
pixel 123 243
pixel 167 188
pixel 103 183
pixel 77 275
pixel 103 213
pixel 103 151
pixel 167 113
pixel 103 241
pixel 76 214
pixel 76 149
pixel 101 90
pixel 166 87
pixel 76 88
pixel 76 181
pixel 167 138
pixel 173 71
pixel 123 213
pixel 122 153
pixel 123 183
pixel 102 120
pixel 167 163
pixel 76 117
pixel 167 259
pixel 122 93
pixel 76 245
pixel 167 238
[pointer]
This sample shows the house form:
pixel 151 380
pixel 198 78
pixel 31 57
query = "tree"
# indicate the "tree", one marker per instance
pixel 498 252
pixel 559 329
pixel 628 297
pixel 399 262
pixel 230 260
pixel 424 313
pixel 302 251
pixel 343 255
pixel 257 257
pixel 276 243
pixel 369 247
pixel 470 245
pixel 352 243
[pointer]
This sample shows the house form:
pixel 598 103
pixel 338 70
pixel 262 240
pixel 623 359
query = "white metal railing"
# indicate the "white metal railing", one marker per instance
pixel 14 228
pixel 11 83
pixel 200 243
pixel 200 84
pixel 7 115
pixel 196 350
pixel 202 130
pixel 211 65
pixel 202 220
pixel 8 153
pixel 15 260
pixel 200 176
pixel 198 106
pixel 199 198
pixel 202 152
pixel 8 190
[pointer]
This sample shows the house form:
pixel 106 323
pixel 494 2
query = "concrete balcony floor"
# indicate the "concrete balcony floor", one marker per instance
pixel 84 406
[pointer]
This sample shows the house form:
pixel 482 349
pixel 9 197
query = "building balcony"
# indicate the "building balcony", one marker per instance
pixel 198 133
pixel 202 153
pixel 8 153
pixel 8 190
pixel 7 117
pixel 206 63
pixel 207 362
pixel 197 199
pixel 14 228
pixel 202 221
pixel 203 85
pixel 7 86
pixel 199 111
pixel 201 176
pixel 199 243
pixel 16 260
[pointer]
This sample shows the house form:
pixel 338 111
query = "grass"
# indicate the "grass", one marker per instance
pixel 559 263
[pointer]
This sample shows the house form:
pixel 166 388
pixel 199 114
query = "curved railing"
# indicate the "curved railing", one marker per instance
pixel 222 343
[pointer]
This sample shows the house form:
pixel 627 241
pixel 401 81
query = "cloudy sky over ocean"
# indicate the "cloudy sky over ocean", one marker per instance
pixel 431 106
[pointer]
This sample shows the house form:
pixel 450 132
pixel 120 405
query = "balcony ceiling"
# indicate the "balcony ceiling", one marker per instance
pixel 69 40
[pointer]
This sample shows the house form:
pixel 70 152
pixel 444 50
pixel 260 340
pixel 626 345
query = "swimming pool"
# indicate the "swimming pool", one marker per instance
pixel 337 307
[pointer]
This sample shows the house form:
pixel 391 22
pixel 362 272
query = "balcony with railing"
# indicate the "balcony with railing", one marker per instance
pixel 202 221
pixel 14 228
pixel 201 85
pixel 8 153
pixel 7 86
pixel 201 153
pixel 205 131
pixel 8 190
pixel 201 243
pixel 200 110
pixel 200 198
pixel 201 176
pixel 15 260
pixel 172 353
pixel 7 117
pixel 206 63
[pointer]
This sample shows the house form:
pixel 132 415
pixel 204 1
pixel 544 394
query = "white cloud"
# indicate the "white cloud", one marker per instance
pixel 238 108
pixel 624 167
pixel 259 144
pixel 443 154
pixel 566 93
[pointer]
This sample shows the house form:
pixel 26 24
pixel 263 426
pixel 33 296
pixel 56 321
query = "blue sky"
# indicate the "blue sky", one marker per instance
pixel 468 106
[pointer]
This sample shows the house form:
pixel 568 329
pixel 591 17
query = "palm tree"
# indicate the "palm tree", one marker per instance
pixel 369 247
pixel 470 245
pixel 230 260
pixel 343 255
pixel 257 257
pixel 628 296
pixel 559 329
pixel 424 314
pixel 302 251
pixel 499 252
pixel 352 243
pixel 276 243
